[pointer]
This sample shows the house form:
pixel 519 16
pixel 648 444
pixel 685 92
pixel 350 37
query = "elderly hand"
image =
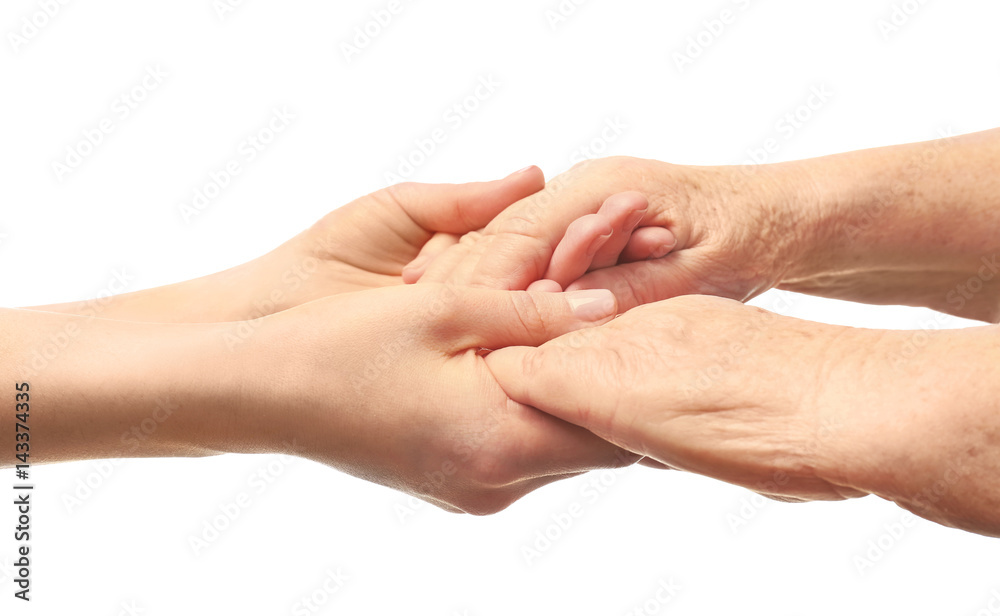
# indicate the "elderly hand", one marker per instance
pixel 712 230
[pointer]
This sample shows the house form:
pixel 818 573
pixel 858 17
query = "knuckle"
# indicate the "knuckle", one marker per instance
pixel 529 313
pixel 522 222
pixel 471 238
pixel 533 361
pixel 398 193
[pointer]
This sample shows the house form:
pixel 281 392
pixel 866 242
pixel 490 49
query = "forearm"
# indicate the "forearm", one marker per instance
pixel 912 224
pixel 243 292
pixel 914 418
pixel 101 388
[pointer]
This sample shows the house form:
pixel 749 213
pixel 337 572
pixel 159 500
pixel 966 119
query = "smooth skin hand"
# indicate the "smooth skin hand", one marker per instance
pixel 789 408
pixel 911 224
pixel 190 343
pixel 389 385
pixel 362 245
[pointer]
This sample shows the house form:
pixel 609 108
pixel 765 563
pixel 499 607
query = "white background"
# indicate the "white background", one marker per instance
pixel 127 542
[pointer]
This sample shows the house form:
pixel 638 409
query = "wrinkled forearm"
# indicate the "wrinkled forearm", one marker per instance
pixel 912 224
pixel 918 423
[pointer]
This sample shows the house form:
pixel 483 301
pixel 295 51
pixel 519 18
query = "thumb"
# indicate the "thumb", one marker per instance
pixel 495 319
pixel 554 378
pixel 460 208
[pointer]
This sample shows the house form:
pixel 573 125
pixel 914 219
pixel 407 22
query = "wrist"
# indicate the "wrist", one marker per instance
pixel 294 384
pixel 794 218
pixel 769 215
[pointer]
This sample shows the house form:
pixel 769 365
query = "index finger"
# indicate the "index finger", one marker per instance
pixel 524 236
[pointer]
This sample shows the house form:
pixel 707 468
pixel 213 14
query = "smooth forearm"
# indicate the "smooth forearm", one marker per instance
pixel 912 224
pixel 103 388
pixel 251 290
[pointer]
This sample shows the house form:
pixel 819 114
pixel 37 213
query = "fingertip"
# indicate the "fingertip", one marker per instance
pixel 545 286
pixel 649 243
pixel 506 365
pixel 666 241
pixel 531 179
pixel 623 207
pixel 572 256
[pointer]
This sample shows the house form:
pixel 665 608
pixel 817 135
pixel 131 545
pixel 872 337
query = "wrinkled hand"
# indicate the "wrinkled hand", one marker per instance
pixel 390 386
pixel 726 231
pixel 707 385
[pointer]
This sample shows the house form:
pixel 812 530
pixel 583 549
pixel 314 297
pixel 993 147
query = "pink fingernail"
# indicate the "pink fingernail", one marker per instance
pixel 634 219
pixel 662 251
pixel 596 244
pixel 526 169
pixel 593 304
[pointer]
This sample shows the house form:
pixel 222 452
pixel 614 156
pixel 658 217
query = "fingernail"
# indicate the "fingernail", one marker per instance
pixel 526 169
pixel 596 244
pixel 662 250
pixel 418 262
pixel 593 304
pixel 634 219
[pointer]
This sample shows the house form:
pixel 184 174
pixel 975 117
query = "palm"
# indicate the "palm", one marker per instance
pixel 367 243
